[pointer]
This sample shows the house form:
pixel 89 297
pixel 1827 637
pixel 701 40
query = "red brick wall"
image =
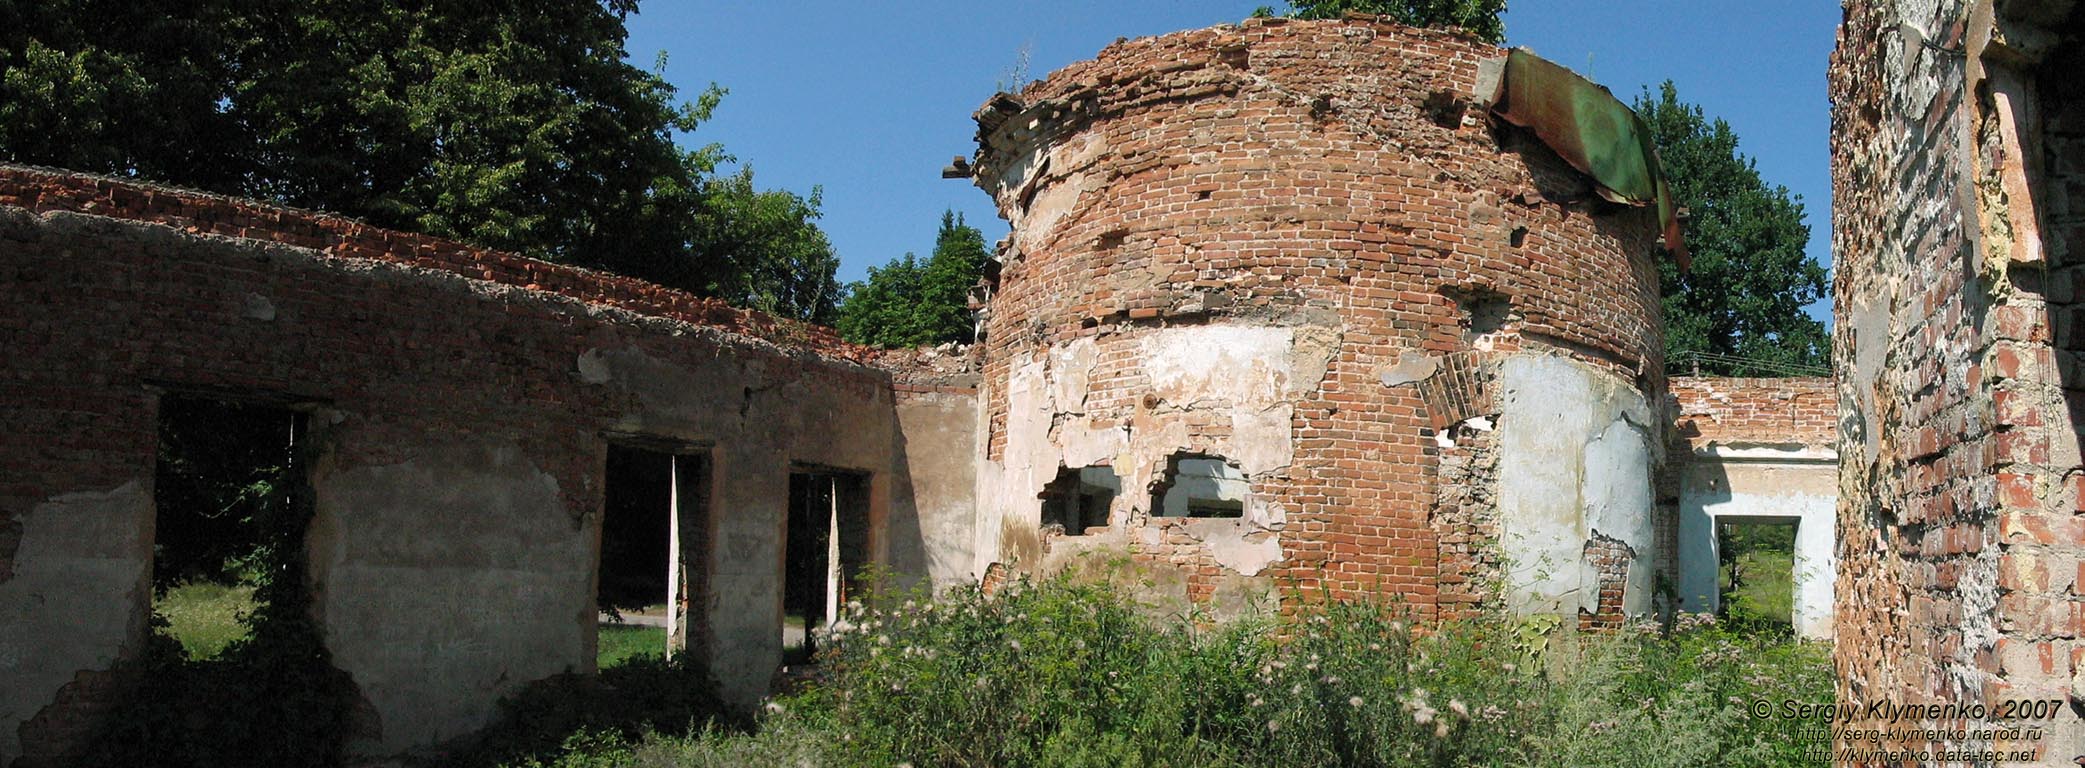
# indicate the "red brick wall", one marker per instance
pixel 1955 341
pixel 1309 174
pixel 1794 411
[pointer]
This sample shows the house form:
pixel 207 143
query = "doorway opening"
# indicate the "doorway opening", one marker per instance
pixel 226 480
pixel 1756 574
pixel 825 548
pixel 652 528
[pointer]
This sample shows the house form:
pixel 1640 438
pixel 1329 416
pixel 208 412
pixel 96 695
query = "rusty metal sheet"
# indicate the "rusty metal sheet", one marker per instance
pixel 1593 131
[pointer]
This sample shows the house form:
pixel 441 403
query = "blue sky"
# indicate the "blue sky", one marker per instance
pixel 870 100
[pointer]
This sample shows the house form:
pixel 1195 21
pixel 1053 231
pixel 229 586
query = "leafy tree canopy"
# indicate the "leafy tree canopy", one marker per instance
pixel 909 303
pixel 1479 17
pixel 1743 299
pixel 518 127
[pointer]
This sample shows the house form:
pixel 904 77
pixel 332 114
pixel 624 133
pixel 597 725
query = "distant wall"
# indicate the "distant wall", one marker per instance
pixel 1761 451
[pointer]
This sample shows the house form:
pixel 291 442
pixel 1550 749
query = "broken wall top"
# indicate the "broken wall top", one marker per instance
pixel 44 191
pixel 1580 120
pixel 1739 411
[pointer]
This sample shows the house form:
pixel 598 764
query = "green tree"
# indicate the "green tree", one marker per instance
pixel 907 303
pixel 519 127
pixel 771 257
pixel 1479 17
pixel 1739 310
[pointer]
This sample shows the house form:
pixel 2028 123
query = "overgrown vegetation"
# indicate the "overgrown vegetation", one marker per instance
pixel 1062 674
pixel 1757 576
pixel 1478 17
pixel 624 642
pixel 578 717
pixel 205 617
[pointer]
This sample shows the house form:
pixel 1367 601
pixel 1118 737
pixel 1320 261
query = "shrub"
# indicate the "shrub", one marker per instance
pixel 573 716
pixel 1064 674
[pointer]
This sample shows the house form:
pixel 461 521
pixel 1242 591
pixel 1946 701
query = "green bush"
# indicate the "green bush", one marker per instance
pixel 1061 674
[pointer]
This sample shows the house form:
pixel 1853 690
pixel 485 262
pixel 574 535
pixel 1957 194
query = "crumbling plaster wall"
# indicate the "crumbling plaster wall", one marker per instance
pixel 461 402
pixel 937 420
pixel 1303 248
pixel 1956 357
pixel 1575 462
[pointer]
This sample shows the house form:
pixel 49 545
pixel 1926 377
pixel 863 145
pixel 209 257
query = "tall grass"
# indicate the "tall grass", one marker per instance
pixel 1063 674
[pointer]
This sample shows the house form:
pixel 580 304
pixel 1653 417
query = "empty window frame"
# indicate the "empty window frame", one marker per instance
pixel 1079 499
pixel 653 528
pixel 1197 485
pixel 826 545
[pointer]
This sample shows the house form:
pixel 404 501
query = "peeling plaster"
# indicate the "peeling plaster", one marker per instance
pixel 1412 366
pixel 1574 458
pixel 1248 554
pixel 1252 375
pixel 89 542
pixel 439 627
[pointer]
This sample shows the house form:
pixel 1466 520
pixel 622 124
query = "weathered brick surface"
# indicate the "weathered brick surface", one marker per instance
pixel 1955 147
pixel 1330 176
pixel 1792 411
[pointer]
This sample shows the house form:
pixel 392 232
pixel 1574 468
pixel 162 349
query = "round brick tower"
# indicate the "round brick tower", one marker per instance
pixel 1285 305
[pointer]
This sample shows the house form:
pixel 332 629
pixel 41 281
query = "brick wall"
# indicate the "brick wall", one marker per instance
pixel 1954 161
pixel 462 401
pixel 1331 179
pixel 1792 411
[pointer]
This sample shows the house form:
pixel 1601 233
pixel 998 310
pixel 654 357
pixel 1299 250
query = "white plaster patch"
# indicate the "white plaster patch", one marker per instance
pixel 82 572
pixel 593 367
pixel 1244 365
pixel 1261 440
pixel 1572 460
pixel 1071 365
pixel 1248 554
pixel 1086 445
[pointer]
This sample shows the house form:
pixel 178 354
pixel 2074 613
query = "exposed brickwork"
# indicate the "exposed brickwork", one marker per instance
pixel 1793 411
pixel 948 369
pixel 1610 559
pixel 1330 177
pixel 1465 522
pixel 53 736
pixel 1954 164
pixel 1463 388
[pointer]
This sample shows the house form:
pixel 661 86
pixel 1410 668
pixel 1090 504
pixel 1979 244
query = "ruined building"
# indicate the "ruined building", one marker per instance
pixel 1958 146
pixel 1289 308
pixel 1286 304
